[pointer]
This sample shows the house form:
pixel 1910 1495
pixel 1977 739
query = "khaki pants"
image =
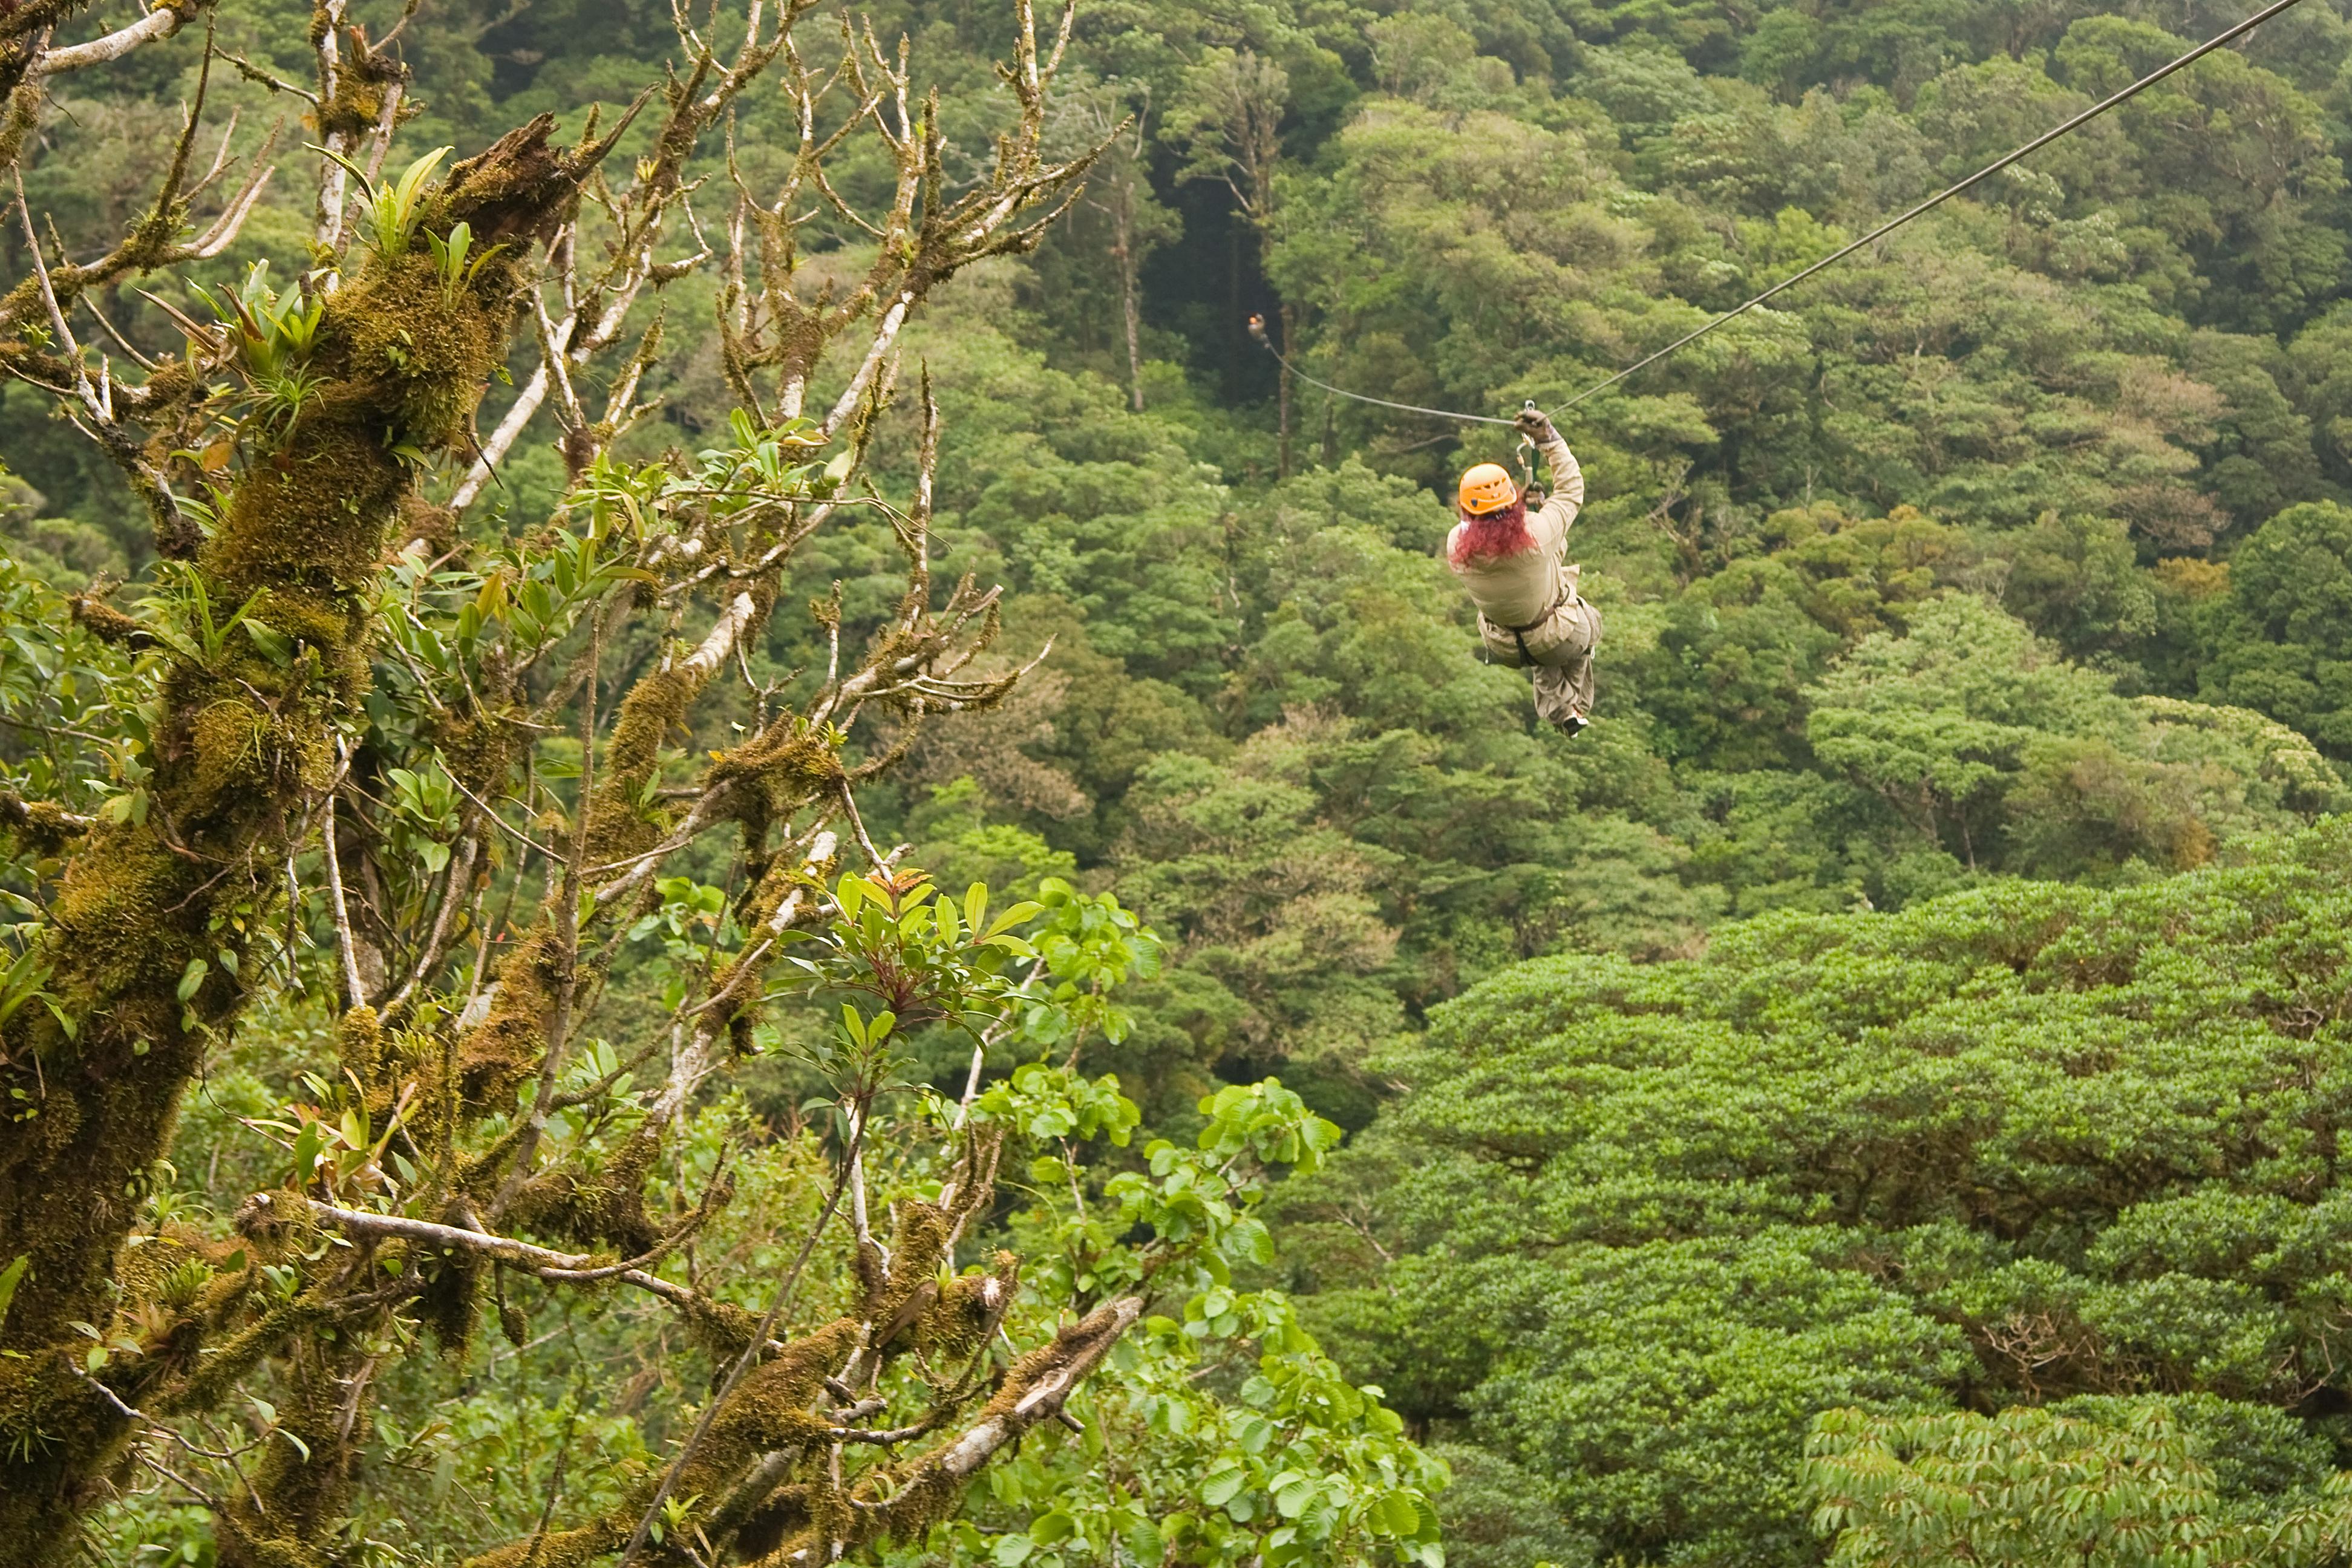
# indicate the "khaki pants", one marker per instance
pixel 1559 649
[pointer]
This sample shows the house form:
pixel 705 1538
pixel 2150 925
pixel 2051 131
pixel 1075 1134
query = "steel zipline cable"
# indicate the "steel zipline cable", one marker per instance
pixel 1257 331
pixel 2229 35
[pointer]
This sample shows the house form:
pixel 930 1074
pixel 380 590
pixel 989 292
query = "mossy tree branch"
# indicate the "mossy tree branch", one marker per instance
pixel 154 916
pixel 324 575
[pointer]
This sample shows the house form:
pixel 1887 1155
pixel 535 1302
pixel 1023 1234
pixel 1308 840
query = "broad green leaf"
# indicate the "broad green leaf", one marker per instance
pixel 10 1277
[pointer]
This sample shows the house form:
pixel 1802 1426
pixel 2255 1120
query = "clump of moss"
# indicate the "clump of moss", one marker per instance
pixel 770 777
pixel 35 1412
pixel 608 1206
pixel 308 616
pixel 179 1288
pixel 172 382
pixel 231 741
pixel 783 1515
pixel 219 1373
pixel 171 1299
pixel 506 1048
pixel 421 348
pixel 312 506
pixel 403 356
pixel 930 1495
pixel 151 1267
pixel 561 1548
pixel 239 751
pixel 477 748
pixel 450 1303
pixel 358 90
pixel 17 122
pixel 106 623
pixel 619 822
pixel 969 1307
pixel 720 1328
pixel 275 1222
pixel 435 526
pixel 919 1243
pixel 770 1408
pixel 110 914
pixel 775 880
pixel 359 1043
pixel 42 827
pixel 298 1495
pixel 513 1324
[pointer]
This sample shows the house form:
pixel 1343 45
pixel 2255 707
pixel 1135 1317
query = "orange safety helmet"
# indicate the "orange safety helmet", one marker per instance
pixel 1488 488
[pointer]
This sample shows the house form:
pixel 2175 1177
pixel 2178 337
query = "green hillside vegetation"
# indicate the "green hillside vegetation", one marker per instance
pixel 1889 1068
pixel 1633 1225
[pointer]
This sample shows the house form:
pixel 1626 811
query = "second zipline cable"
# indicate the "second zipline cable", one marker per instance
pixel 2228 35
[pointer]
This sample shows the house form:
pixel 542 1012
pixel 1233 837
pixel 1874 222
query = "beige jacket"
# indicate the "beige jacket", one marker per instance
pixel 1521 590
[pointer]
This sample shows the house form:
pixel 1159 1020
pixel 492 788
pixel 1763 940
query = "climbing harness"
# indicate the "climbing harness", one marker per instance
pixel 2229 35
pixel 1519 636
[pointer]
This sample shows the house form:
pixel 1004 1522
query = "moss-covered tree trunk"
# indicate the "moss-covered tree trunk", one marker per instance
pixel 155 912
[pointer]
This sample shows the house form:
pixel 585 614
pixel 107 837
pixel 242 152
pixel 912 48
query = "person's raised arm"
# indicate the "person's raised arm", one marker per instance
pixel 1567 496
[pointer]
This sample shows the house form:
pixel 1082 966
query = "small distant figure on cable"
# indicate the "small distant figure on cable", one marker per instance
pixel 1514 563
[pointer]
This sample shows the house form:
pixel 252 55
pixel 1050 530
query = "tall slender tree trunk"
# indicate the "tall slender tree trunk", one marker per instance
pixel 1134 346
pixel 1122 251
pixel 1234 331
pixel 1289 338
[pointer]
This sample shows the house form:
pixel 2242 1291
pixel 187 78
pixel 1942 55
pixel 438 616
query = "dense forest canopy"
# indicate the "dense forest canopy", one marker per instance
pixel 1892 1063
pixel 2030 1145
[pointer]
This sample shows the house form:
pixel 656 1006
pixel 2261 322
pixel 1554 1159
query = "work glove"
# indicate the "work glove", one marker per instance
pixel 1535 425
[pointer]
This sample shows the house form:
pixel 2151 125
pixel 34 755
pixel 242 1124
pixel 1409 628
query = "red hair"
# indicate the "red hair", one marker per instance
pixel 1493 535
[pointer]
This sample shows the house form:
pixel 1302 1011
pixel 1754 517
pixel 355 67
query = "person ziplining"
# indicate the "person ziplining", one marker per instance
pixel 1515 567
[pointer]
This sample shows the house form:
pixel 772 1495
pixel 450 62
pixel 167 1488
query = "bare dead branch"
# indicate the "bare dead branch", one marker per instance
pixel 161 23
